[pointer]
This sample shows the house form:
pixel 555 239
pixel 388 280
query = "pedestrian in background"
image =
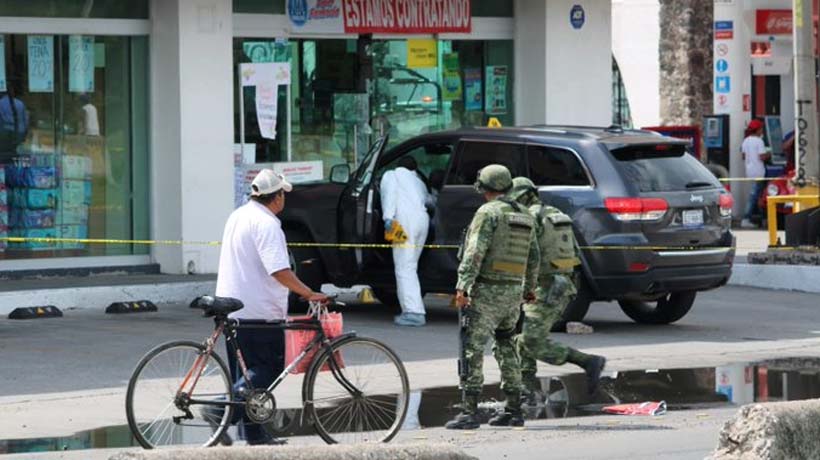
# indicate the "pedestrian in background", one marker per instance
pixel 498 269
pixel 254 267
pixel 754 156
pixel 14 124
pixel 404 203
pixel 556 289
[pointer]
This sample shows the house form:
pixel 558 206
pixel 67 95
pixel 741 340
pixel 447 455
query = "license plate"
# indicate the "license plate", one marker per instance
pixel 693 218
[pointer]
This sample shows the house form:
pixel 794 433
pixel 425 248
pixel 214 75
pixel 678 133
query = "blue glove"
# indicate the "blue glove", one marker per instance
pixel 387 224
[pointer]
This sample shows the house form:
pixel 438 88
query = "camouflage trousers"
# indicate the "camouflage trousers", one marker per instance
pixel 493 314
pixel 534 343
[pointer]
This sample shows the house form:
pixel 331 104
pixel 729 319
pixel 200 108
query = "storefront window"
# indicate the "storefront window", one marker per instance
pixel 73 143
pixel 131 9
pixel 347 92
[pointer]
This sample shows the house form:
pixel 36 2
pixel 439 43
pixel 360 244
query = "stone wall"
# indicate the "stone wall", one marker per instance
pixel 685 61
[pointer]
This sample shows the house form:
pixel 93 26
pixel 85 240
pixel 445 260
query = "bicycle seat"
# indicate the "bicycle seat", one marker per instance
pixel 217 306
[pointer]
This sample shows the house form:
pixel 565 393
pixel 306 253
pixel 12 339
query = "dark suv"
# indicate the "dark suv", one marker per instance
pixel 652 220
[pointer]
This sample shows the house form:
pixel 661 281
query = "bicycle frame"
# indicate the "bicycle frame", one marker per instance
pixel 228 328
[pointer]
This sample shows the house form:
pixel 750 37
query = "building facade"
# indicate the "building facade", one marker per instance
pixel 133 120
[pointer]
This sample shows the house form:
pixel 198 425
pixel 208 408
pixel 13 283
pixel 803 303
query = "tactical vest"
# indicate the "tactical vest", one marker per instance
pixel 557 242
pixel 506 259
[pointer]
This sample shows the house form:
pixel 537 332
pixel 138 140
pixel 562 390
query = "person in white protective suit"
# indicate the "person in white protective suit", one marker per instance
pixel 404 197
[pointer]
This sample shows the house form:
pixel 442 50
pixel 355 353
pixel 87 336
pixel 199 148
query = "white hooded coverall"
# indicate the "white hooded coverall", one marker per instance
pixel 403 197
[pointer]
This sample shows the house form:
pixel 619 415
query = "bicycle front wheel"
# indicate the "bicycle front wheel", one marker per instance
pixel 357 392
pixel 161 412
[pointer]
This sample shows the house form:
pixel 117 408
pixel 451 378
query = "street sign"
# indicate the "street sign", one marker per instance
pixel 722 65
pixel 723 85
pixel 724 30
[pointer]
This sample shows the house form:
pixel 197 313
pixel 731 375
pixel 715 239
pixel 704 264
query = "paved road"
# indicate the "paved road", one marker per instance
pixel 91 350
pixel 88 350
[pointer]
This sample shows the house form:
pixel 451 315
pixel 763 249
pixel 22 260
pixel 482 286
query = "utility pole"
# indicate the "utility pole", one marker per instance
pixel 807 158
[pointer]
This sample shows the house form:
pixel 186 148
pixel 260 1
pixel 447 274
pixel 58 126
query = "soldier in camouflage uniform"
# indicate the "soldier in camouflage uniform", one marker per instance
pixel 556 288
pixel 499 266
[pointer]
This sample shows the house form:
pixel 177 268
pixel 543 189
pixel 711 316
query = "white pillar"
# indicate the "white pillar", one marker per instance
pixel 530 62
pixel 191 129
pixel 736 52
pixel 563 75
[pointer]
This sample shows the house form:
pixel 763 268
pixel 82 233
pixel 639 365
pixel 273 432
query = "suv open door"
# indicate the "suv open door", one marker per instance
pixel 357 221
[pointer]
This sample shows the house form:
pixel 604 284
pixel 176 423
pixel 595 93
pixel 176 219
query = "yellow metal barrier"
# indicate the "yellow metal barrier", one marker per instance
pixel 771 210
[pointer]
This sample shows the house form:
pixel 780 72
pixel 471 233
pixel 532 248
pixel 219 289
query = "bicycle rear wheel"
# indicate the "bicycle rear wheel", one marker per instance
pixel 156 413
pixel 364 399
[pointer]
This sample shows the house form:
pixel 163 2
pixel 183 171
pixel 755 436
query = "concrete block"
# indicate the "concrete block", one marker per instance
pixel 800 278
pixel 774 431
pixel 413 451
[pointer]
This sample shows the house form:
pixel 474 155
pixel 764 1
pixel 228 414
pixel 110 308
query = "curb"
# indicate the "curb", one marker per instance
pixel 415 451
pixel 100 297
pixel 800 278
pixel 771 431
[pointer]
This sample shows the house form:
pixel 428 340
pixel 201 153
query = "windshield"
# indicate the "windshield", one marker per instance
pixel 368 164
pixel 663 168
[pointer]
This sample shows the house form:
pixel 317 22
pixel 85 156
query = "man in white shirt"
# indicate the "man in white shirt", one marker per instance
pixel 254 267
pixel 404 199
pixel 754 155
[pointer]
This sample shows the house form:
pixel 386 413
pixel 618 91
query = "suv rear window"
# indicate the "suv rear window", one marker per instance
pixel 662 168
pixel 474 155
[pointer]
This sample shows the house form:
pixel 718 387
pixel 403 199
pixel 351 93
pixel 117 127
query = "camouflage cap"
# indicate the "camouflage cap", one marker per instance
pixel 494 178
pixel 524 191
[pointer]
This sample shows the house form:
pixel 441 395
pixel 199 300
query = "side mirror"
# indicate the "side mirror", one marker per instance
pixel 340 174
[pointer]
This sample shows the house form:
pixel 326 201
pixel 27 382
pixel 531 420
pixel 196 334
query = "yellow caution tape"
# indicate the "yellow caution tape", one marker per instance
pixel 14 239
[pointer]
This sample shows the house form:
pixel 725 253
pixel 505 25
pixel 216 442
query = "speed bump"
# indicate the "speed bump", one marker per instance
pixel 139 306
pixel 46 311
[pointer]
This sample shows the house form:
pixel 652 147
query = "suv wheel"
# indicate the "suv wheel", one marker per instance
pixel 578 308
pixel 307 265
pixel 668 309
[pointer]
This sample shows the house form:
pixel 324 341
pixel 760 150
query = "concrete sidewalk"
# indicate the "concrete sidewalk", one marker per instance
pixel 99 291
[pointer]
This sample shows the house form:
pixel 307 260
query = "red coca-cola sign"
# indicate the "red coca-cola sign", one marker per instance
pixel 773 22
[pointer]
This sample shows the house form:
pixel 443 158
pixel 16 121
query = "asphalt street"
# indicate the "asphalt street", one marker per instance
pixel 65 375
pixel 91 350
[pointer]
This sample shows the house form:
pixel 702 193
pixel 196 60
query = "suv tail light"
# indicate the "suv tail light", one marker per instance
pixel 726 203
pixel 636 209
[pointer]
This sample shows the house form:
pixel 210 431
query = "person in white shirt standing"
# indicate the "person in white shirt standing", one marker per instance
pixel 404 199
pixel 254 267
pixel 754 156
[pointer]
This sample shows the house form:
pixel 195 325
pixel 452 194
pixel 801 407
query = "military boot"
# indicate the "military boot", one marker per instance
pixel 593 365
pixel 507 418
pixel 467 419
pixel 511 416
pixel 593 368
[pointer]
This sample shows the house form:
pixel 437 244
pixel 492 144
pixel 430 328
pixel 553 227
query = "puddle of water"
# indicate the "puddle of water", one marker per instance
pixel 565 396
pixel 113 436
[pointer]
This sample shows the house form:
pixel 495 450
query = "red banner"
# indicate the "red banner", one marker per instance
pixel 773 22
pixel 406 16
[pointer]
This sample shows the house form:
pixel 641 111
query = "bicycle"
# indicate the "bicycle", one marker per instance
pixel 355 388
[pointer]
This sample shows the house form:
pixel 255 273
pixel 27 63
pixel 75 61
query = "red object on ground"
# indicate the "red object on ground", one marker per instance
pixel 644 408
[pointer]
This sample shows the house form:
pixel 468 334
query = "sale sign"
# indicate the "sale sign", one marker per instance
pixel 406 16
pixel 773 22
